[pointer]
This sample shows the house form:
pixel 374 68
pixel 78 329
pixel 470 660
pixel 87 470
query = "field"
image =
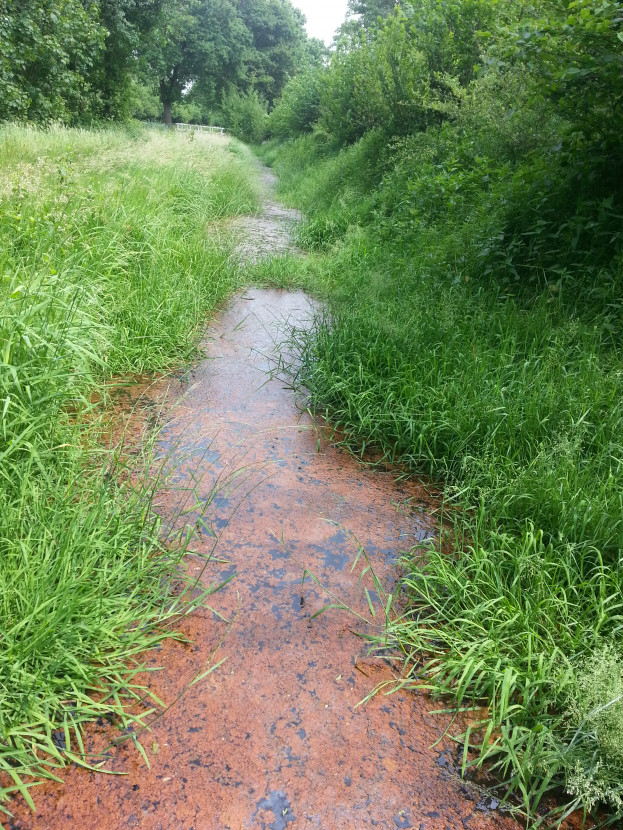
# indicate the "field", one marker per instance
pixel 111 262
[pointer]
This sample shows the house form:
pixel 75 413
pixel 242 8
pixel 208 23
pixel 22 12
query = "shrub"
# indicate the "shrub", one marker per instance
pixel 245 115
pixel 299 107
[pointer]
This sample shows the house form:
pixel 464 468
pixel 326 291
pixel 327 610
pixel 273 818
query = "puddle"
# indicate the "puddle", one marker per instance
pixel 269 233
pixel 275 737
pixel 278 804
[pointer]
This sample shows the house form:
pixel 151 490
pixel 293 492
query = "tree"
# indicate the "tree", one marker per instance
pixel 278 43
pixel 369 11
pixel 378 81
pixel 48 49
pixel 196 42
pixel 127 24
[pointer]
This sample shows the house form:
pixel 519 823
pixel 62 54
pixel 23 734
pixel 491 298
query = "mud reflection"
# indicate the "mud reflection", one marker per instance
pixel 273 739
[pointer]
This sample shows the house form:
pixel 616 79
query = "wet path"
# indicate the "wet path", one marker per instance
pixel 274 739
pixel 269 233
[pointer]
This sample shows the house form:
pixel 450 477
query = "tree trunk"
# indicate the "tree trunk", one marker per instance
pixel 167 96
pixel 168 118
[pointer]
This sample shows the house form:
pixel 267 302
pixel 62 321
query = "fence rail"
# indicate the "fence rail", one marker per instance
pixel 200 128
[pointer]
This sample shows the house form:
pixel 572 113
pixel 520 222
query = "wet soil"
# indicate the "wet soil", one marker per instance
pixel 270 232
pixel 274 739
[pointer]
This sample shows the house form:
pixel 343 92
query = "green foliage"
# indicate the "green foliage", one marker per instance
pixel 526 611
pixel 195 41
pixel 73 61
pixel 473 267
pixel 298 109
pixel 369 11
pixel 202 49
pixel 126 23
pixel 47 52
pixel 106 267
pixel 408 71
pixel 70 61
pixel 278 43
pixel 144 102
pixel 575 48
pixel 245 115
pixel 378 83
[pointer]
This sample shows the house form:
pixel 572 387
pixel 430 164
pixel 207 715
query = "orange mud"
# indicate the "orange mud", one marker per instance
pixel 274 739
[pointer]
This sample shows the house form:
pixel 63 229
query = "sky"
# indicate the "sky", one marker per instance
pixel 323 16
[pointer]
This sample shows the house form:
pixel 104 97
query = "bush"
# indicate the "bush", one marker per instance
pixel 245 115
pixel 299 106
pixel 379 82
pixel 46 59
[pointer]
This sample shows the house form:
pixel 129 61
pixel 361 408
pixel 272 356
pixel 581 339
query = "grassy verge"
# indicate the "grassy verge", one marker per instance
pixel 109 263
pixel 474 334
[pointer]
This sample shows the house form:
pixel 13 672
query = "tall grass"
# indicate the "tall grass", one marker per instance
pixel 109 263
pixel 473 333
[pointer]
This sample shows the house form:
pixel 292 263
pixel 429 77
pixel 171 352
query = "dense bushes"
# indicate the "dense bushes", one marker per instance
pixel 298 109
pixel 47 52
pixel 245 115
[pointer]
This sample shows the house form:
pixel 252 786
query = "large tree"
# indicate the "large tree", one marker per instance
pixel 196 42
pixel 278 43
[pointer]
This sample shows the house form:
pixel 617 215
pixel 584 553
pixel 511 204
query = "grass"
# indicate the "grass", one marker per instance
pixel 109 264
pixel 471 336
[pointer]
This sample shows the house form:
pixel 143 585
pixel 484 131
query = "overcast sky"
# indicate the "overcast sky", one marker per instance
pixel 323 16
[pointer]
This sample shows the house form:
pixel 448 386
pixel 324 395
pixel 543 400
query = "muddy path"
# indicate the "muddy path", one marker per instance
pixel 274 739
pixel 270 232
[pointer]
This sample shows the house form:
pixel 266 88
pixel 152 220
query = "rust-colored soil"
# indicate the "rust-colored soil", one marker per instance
pixel 274 738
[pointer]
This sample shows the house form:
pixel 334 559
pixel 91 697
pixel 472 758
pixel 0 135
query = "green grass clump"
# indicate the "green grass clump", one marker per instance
pixel 109 263
pixel 473 333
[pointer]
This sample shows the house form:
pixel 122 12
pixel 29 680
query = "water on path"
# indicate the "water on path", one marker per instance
pixel 274 739
pixel 270 232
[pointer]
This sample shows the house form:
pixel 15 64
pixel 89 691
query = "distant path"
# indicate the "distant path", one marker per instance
pixel 269 233
pixel 274 738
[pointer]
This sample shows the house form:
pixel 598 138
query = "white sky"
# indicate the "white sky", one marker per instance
pixel 323 16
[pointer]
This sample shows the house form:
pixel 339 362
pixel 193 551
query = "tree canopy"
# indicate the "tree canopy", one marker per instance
pixel 76 61
pixel 48 51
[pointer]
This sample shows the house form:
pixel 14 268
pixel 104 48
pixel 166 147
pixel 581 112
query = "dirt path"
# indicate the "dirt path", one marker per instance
pixel 274 738
pixel 269 233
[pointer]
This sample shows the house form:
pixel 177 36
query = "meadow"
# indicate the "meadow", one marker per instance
pixel 110 264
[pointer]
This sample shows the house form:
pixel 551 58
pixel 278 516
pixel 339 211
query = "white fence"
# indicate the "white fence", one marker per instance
pixel 200 128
